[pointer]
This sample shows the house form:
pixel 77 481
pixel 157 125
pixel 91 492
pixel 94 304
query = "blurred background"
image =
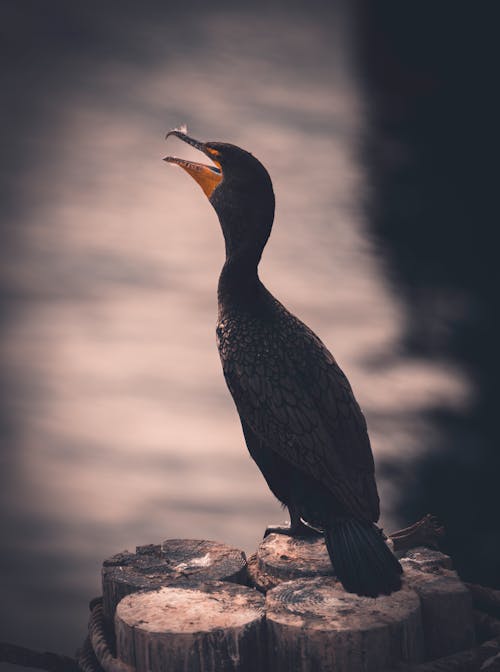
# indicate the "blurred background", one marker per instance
pixel 376 122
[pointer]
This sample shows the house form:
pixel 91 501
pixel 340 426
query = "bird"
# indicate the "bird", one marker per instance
pixel 301 422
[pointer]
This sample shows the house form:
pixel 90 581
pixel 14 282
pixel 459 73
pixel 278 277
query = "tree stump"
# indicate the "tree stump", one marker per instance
pixel 191 620
pixel 313 624
pixel 211 627
pixel 174 562
pixel 282 558
pixel 447 615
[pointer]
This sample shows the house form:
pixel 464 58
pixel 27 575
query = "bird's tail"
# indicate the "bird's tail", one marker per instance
pixel 361 559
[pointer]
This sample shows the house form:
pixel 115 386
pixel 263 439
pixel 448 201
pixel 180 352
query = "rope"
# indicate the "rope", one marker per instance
pixel 102 643
pixel 87 662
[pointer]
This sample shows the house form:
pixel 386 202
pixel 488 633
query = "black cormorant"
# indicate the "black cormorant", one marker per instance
pixel 302 424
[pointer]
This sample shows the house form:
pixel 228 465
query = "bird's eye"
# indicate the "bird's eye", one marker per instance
pixel 213 152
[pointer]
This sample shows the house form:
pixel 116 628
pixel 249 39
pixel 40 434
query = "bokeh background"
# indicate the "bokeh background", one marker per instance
pixel 376 122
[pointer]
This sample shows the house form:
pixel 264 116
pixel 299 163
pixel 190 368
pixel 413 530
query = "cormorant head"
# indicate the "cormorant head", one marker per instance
pixel 239 188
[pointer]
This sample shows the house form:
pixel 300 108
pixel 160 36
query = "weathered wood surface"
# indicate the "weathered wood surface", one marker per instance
pixel 211 627
pixel 446 603
pixel 313 625
pixel 282 558
pixel 174 562
pixel 447 616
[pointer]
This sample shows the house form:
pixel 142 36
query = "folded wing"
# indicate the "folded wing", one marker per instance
pixel 294 396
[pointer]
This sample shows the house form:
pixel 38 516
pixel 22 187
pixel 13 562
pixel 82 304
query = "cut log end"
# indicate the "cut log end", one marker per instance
pixel 447 614
pixel 174 628
pixel 174 562
pixel 282 558
pixel 188 621
pixel 314 624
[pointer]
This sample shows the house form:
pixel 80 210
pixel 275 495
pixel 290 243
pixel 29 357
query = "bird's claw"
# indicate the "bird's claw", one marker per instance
pixel 298 530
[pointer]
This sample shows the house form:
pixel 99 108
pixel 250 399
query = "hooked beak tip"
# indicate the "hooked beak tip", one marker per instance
pixel 182 135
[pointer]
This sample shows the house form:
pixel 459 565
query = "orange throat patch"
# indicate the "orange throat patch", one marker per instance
pixel 208 177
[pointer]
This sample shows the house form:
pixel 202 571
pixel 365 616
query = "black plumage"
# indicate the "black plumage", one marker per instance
pixel 301 422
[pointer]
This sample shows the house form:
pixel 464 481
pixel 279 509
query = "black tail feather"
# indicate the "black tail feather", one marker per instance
pixel 361 559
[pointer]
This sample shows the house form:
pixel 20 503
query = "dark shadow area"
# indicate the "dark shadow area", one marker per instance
pixel 429 73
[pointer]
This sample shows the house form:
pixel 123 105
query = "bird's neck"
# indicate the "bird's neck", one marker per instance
pixel 239 283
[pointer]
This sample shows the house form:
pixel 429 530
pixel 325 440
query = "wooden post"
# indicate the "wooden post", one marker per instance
pixel 282 558
pixel 174 562
pixel 212 627
pixel 446 608
pixel 188 622
pixel 294 557
pixel 313 625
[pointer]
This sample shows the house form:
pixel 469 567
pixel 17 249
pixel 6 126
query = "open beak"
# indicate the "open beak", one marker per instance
pixel 208 177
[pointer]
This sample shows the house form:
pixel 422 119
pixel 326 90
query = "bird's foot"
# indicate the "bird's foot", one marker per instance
pixel 299 529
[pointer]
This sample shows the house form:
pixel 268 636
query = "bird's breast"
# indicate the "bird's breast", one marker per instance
pixel 244 338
